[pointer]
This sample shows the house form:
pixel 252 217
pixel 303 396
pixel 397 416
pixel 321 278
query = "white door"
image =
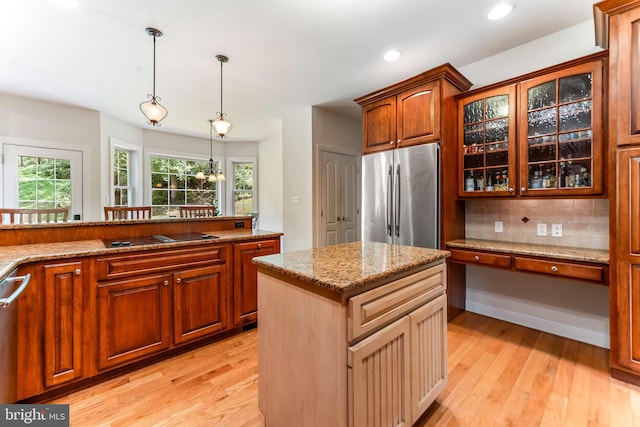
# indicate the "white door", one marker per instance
pixel 62 187
pixel 339 198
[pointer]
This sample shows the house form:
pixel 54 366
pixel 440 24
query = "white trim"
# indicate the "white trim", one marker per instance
pixel 53 145
pixel 229 182
pixel 135 173
pixel 600 339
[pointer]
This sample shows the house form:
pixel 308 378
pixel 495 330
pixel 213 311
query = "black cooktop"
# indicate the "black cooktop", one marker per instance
pixel 156 239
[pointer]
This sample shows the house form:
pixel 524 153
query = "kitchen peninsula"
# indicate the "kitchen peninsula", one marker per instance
pixel 354 334
pixel 106 296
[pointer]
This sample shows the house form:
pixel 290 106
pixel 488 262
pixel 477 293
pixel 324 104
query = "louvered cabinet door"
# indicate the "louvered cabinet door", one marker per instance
pixel 379 382
pixel 429 354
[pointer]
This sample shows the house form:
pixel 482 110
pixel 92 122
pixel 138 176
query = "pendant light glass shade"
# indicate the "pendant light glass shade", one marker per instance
pixel 152 109
pixel 221 125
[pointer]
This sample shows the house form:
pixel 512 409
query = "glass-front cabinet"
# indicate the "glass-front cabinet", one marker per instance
pixel 488 142
pixel 560 132
pixel 535 136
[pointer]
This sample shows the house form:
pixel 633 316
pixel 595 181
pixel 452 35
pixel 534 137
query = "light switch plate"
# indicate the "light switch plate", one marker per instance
pixel 498 226
pixel 556 230
pixel 542 230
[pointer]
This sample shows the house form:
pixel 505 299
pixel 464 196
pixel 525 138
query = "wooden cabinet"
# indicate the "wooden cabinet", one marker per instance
pixel 397 373
pixel 150 301
pixel 538 135
pixel 409 118
pixel 379 360
pixel 617 28
pixel 52 327
pixel 245 278
pixel 200 302
pixel 134 318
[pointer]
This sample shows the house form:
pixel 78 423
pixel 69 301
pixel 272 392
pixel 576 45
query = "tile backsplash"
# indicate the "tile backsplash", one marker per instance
pixel 585 222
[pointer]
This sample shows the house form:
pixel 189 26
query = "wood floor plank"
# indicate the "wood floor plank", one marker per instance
pixel 500 375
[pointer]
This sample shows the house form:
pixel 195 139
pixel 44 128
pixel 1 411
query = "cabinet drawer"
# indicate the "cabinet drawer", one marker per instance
pixel 118 266
pixel 481 258
pixel 371 310
pixel 572 271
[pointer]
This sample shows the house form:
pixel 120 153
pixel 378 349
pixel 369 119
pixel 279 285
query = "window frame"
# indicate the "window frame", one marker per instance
pixel 220 189
pixel 135 171
pixel 229 173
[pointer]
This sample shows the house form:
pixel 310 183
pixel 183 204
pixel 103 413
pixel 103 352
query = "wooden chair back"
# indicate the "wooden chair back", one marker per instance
pixel 32 216
pixel 193 211
pixel 116 213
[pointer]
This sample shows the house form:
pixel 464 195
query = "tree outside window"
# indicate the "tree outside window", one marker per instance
pixel 243 188
pixel 174 184
pixel 44 183
pixel 122 190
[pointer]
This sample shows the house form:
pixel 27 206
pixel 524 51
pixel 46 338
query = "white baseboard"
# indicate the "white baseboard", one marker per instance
pixel 545 325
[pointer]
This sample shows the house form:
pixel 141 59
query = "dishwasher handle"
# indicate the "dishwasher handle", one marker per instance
pixel 6 302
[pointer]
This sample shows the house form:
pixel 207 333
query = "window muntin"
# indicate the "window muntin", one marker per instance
pixel 243 194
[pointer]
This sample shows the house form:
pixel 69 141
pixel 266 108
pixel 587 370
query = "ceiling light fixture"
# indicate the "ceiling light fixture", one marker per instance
pixel 214 174
pixel 220 124
pixel 152 110
pixel 392 55
pixel 499 11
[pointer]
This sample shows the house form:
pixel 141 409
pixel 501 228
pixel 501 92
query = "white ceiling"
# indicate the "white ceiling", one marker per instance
pixel 283 54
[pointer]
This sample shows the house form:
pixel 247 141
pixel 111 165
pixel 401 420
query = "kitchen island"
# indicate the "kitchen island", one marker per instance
pixel 351 334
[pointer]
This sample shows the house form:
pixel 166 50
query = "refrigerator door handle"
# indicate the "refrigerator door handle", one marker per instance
pixel 389 199
pixel 397 213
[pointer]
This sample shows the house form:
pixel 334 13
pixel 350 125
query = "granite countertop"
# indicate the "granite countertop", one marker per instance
pixel 344 268
pixel 12 256
pixel 598 256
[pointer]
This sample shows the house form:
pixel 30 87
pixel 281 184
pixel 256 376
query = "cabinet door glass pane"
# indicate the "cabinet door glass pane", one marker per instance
pixel 575 88
pixel 542 122
pixel 497 130
pixel 542 149
pixel 497 107
pixel 474 134
pixel 473 111
pixel 542 96
pixel 575 145
pixel 575 116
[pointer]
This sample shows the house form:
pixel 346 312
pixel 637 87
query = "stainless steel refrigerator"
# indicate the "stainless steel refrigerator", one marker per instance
pixel 400 196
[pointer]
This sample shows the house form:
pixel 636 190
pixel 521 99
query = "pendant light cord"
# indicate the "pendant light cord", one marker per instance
pixel 154 68
pixel 221 110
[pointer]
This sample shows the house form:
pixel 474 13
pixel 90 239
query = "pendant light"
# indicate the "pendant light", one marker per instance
pixel 220 124
pixel 214 174
pixel 152 110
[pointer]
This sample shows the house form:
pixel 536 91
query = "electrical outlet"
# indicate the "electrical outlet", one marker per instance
pixel 498 226
pixel 556 230
pixel 542 229
pixel 239 224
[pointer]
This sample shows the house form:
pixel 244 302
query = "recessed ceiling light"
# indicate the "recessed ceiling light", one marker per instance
pixel 392 55
pixel 500 11
pixel 69 3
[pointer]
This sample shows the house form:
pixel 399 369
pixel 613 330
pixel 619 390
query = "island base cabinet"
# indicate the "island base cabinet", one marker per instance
pixel 397 373
pixel 134 319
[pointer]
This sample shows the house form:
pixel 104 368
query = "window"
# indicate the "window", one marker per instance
pixel 243 189
pixel 122 189
pixel 174 183
pixel 38 178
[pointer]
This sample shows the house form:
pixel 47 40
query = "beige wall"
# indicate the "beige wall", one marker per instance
pixel 585 222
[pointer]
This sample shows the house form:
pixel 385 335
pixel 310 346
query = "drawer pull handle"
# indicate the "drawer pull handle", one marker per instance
pixel 554 268
pixel 78 272
pixel 476 258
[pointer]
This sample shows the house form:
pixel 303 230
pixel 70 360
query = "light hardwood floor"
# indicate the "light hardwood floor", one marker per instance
pixel 500 374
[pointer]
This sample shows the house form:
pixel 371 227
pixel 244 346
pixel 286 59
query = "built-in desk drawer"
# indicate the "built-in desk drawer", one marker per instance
pixel 369 311
pixel 572 271
pixel 481 258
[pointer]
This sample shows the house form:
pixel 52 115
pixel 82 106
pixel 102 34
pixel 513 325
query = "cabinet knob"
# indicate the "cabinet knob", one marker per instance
pixel 166 283
pixel 391 142
pixel 399 141
pixel 510 189
pixel 178 280
pixel 77 272
pixel 523 189
pixel 554 268
pixel 259 245
pixel 476 258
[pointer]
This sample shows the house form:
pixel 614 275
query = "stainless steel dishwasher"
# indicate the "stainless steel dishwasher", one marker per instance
pixel 10 289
